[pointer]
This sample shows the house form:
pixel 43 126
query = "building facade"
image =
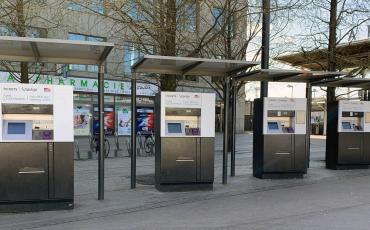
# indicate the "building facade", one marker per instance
pixel 90 21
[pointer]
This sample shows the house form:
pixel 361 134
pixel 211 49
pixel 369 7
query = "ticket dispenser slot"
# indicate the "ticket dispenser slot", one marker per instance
pixel 183 121
pixel 27 122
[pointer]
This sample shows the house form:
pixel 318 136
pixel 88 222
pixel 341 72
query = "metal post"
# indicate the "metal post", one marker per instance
pixel 233 127
pixel 308 128
pixel 368 95
pixel 265 43
pixel 101 132
pixel 133 130
pixel 226 130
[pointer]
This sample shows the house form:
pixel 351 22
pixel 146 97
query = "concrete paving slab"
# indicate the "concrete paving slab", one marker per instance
pixel 239 205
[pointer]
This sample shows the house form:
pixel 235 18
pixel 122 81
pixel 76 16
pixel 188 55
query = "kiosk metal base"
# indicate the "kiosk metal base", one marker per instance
pixel 346 167
pixel 34 206
pixel 184 187
pixel 280 175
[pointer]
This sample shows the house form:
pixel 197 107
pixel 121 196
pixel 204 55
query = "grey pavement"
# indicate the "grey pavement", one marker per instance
pixel 324 199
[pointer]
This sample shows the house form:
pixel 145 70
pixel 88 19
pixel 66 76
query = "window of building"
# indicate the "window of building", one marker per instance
pixel 81 37
pixel 131 53
pixel 218 17
pixel 133 11
pixel 190 15
pixel 92 6
pixel 186 15
pixel 219 21
pixel 32 32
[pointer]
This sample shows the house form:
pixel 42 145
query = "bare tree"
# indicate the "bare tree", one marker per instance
pixel 27 18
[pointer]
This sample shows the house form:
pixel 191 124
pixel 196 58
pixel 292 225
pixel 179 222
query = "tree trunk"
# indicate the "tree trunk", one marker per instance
pixel 21 31
pixel 332 45
pixel 169 82
pixel 24 73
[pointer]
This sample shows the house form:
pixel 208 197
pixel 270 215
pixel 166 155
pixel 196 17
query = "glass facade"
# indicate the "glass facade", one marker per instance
pixel 92 6
pixel 81 37
pixel 131 53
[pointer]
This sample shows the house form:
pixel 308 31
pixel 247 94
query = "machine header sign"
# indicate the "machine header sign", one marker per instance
pixel 183 100
pixel 26 94
pixel 36 113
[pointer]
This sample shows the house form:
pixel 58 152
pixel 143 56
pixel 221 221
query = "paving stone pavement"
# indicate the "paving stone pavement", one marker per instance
pixel 324 199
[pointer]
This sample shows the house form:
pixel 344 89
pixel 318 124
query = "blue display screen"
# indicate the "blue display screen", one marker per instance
pixel 16 128
pixel 346 125
pixel 174 127
pixel 273 125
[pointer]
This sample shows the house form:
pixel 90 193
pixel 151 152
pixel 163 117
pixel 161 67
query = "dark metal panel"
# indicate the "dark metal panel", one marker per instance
pixel 4 171
pixel 101 132
pixel 233 128
pixel 350 149
pixel 207 159
pixel 331 156
pixel 278 153
pixel 258 137
pixel 28 170
pixel 226 131
pixel 157 133
pixel 300 154
pixel 133 130
pixel 51 170
pixel 199 154
pixel 178 160
pixel 367 148
pixel 63 170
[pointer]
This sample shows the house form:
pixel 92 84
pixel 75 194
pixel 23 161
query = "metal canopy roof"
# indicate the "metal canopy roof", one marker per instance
pixel 345 82
pixel 190 66
pixel 347 55
pixel 275 75
pixel 53 50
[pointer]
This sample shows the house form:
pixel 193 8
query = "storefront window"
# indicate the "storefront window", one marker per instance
pixel 82 119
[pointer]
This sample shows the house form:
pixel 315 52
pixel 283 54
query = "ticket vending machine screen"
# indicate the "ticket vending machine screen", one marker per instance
pixel 16 128
pixel 346 125
pixel 174 128
pixel 273 126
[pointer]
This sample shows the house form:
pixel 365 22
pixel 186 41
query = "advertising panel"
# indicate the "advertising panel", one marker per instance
pixel 81 120
pixel 144 119
pixel 124 120
pixel 108 120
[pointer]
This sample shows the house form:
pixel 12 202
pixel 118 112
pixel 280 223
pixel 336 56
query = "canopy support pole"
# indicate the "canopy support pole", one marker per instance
pixel 308 123
pixel 226 130
pixel 265 44
pixel 133 130
pixel 101 133
pixel 233 127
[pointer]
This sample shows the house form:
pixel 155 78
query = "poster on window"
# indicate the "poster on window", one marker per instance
pixel 109 125
pixel 145 119
pixel 81 120
pixel 124 120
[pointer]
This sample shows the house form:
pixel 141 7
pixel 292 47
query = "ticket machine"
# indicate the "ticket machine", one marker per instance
pixel 279 137
pixel 185 133
pixel 36 147
pixel 348 136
